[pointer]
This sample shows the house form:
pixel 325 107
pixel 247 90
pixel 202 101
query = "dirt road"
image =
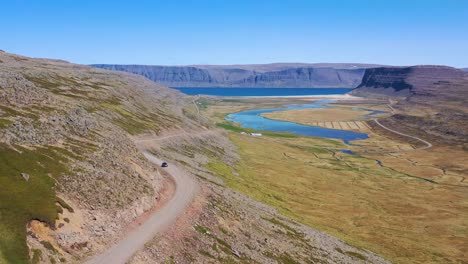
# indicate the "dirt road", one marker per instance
pixel 141 141
pixel 185 190
pixel 428 144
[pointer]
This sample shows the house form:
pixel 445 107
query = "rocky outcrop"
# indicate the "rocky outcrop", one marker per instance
pixel 276 75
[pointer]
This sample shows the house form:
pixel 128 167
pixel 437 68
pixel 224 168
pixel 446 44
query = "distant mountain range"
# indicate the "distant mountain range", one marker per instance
pixel 294 75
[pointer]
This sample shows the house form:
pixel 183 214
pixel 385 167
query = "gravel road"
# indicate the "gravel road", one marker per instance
pixel 428 144
pixel 185 189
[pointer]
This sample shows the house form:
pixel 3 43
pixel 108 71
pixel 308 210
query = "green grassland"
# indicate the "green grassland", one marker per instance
pixel 21 200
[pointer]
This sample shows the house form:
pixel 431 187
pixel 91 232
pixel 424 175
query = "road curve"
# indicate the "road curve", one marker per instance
pixel 141 141
pixel 428 144
pixel 185 190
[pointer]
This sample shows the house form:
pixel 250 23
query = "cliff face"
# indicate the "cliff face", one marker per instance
pixel 415 81
pixel 271 75
pixel 305 78
pixel 165 75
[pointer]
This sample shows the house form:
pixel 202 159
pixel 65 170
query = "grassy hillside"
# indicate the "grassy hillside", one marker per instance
pixel 66 130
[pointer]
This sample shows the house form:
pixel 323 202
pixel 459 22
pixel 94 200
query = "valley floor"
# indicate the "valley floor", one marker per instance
pixel 390 193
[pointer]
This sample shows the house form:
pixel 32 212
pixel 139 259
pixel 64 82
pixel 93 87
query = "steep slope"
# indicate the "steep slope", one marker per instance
pixel 261 75
pixel 432 98
pixel 66 130
pixel 305 78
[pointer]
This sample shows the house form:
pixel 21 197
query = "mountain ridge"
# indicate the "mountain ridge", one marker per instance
pixel 274 75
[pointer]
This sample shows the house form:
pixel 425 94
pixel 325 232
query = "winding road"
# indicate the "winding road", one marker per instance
pixel 390 103
pixel 152 139
pixel 186 188
pixel 428 144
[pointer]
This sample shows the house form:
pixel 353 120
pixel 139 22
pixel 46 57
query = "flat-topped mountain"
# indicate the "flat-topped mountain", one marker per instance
pixel 275 75
pixel 427 81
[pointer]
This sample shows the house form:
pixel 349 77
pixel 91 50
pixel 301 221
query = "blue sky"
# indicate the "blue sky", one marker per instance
pixel 233 32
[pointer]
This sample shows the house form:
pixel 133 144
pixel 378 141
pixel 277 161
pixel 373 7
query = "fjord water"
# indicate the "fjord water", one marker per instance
pixel 253 119
pixel 260 92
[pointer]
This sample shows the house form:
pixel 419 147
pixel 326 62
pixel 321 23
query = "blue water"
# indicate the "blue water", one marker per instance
pixel 347 151
pixel 217 91
pixel 253 119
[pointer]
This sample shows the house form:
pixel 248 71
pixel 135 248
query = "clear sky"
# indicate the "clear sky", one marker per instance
pixel 395 32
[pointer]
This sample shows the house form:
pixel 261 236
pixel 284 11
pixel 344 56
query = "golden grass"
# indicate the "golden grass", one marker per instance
pixel 336 117
pixel 394 210
pixel 306 116
pixel 383 209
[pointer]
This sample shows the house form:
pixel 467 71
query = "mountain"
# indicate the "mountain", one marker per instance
pixel 296 75
pixel 464 69
pixel 431 99
pixel 426 81
pixel 67 155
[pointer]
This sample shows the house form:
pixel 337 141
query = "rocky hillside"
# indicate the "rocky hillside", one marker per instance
pixel 70 173
pixel 263 75
pixel 434 98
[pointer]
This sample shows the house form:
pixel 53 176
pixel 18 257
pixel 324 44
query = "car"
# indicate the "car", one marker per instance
pixel 164 164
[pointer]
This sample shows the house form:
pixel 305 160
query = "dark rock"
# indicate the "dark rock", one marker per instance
pixel 412 81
